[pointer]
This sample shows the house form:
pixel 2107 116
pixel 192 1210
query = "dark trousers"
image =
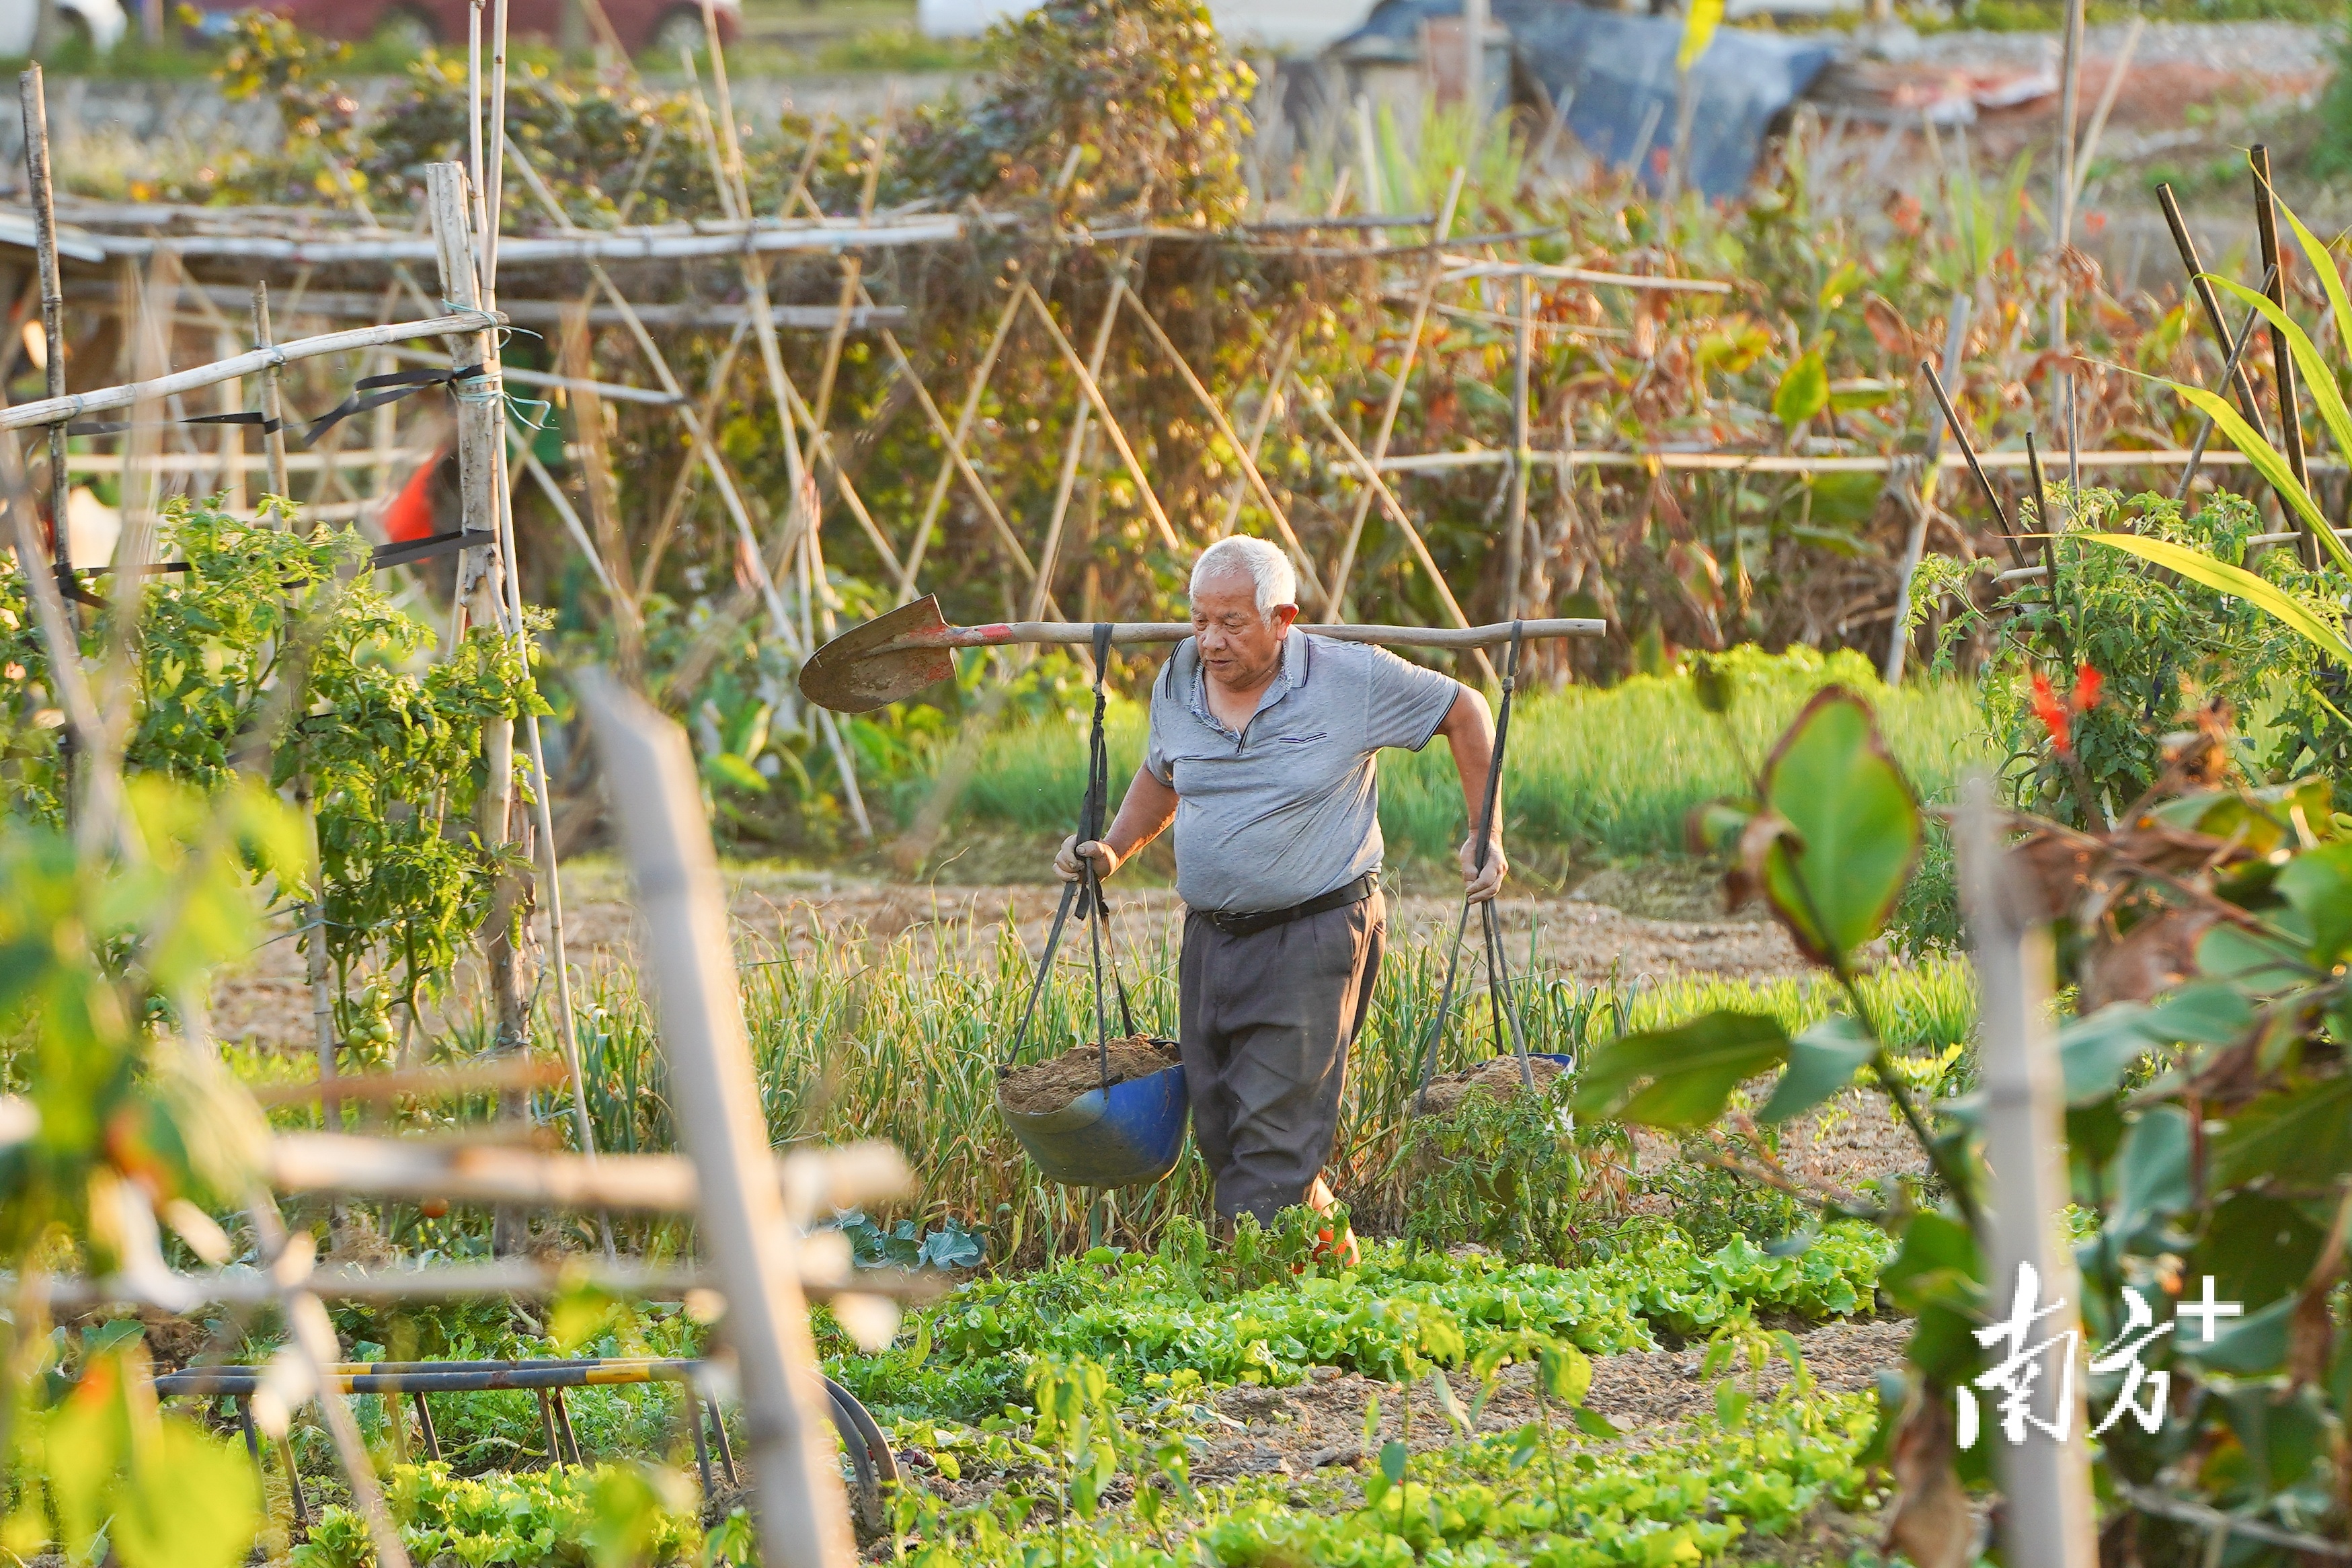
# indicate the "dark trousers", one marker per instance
pixel 1265 1022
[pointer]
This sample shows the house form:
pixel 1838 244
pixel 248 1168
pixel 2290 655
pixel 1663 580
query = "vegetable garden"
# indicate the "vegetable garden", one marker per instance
pixel 2029 789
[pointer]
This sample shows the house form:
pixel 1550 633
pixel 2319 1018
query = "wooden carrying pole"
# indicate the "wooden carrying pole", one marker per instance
pixel 2049 1522
pixel 748 1237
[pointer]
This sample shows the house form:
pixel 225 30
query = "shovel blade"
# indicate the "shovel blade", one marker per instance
pixel 859 671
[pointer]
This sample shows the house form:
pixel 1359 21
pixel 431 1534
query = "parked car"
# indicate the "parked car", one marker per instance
pixel 29 27
pixel 660 27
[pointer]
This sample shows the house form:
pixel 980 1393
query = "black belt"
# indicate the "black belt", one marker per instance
pixel 1238 923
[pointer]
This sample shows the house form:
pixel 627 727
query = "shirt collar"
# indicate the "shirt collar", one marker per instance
pixel 1297 657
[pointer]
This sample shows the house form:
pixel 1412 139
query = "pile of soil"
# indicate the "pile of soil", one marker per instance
pixel 1050 1085
pixel 1499 1077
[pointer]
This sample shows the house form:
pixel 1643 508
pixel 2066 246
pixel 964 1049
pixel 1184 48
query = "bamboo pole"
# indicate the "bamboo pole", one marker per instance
pixel 2049 1520
pixel 1232 438
pixel 751 1236
pixel 961 463
pixel 1923 504
pixel 1522 452
pixel 2062 218
pixel 60 409
pixel 2202 285
pixel 2282 359
pixel 1093 390
pixel 1346 566
pixel 1066 481
pixel 955 460
pixel 1397 515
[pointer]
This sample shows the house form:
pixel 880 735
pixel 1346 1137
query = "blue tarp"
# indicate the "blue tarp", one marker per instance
pixel 1616 71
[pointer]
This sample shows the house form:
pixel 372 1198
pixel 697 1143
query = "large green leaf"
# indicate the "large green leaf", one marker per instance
pixel 2200 567
pixel 2300 1136
pixel 1853 828
pixel 2152 1171
pixel 1691 1070
pixel 1821 1061
pixel 2266 459
pixel 2319 381
pixel 2319 883
pixel 1804 391
pixel 2094 1052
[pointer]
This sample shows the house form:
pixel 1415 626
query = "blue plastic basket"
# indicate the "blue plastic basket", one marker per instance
pixel 1127 1134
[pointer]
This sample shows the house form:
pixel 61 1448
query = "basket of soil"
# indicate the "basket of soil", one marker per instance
pixel 1498 1078
pixel 1095 1127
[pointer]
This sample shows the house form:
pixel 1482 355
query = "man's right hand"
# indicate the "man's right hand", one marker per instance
pixel 1066 864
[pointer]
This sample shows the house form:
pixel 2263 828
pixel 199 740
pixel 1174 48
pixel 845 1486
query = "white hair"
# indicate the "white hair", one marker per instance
pixel 1267 568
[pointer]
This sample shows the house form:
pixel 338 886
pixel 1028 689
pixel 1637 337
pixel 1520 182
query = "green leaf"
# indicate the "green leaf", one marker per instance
pixel 1731 1404
pixel 1821 1061
pixel 1564 1373
pixel 1392 1457
pixel 2319 381
pixel 2319 883
pixel 2297 1136
pixel 189 1504
pixel 1804 389
pixel 2094 1053
pixel 2258 1248
pixel 1692 1070
pixel 1593 1423
pixel 2265 457
pixel 2200 567
pixel 1855 829
pixel 2204 1012
pixel 726 767
pixel 2152 1181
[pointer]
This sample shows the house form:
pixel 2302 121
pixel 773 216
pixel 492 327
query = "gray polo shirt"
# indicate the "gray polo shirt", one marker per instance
pixel 1289 808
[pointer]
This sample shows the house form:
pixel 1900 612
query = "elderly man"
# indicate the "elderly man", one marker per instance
pixel 1261 749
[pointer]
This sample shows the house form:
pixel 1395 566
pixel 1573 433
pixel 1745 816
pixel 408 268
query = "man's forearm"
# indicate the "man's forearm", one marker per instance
pixel 1469 732
pixel 1143 815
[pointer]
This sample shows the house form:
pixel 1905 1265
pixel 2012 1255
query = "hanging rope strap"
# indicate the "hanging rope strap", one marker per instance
pixel 1491 926
pixel 1085 894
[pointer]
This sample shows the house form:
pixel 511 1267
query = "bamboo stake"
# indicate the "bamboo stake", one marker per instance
pixel 2282 359
pixel 1396 512
pixel 53 356
pixel 2061 220
pixel 1347 562
pixel 1522 453
pixel 2202 284
pixel 1915 545
pixel 752 1240
pixel 58 410
pixel 1241 450
pixel 1968 452
pixel 311 1341
pixel 564 509
pixel 961 463
pixel 1093 390
pixel 1081 426
pixel 2229 369
pixel 682 484
pixel 2050 1521
pixel 273 406
pixel 955 460
pixel 2089 150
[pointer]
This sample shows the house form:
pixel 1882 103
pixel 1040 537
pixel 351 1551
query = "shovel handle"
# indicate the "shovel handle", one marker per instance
pixel 1177 631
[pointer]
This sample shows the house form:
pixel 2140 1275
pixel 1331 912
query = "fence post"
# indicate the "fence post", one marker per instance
pixel 2049 1522
pixel 481 591
pixel 749 1239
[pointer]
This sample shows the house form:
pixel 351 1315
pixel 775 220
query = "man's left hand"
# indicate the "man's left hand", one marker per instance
pixel 1482 882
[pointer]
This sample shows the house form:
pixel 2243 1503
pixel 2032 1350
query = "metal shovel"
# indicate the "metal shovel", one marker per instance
pixel 892 656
